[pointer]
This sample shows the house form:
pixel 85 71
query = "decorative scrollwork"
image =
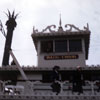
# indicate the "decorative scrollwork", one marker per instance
pixel 49 28
pixel 86 28
pixel 71 27
pixel 35 30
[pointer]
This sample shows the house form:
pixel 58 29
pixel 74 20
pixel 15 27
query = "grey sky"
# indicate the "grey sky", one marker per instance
pixel 41 13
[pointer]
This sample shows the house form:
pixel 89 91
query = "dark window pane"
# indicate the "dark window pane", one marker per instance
pixel 61 46
pixel 75 45
pixel 47 46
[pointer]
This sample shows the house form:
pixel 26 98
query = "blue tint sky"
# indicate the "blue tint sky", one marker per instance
pixel 41 13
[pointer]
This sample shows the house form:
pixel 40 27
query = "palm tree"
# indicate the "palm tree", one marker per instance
pixel 11 24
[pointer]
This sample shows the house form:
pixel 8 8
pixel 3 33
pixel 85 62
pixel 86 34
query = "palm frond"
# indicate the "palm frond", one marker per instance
pixel 13 14
pixel 16 15
pixel 9 14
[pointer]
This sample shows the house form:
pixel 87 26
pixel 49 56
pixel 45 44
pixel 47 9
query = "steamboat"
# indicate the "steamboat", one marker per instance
pixel 61 73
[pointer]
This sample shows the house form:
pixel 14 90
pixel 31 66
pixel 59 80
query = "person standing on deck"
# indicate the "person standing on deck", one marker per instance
pixel 56 87
pixel 78 80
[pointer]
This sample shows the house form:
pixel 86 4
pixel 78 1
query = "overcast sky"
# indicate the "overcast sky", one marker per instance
pixel 41 13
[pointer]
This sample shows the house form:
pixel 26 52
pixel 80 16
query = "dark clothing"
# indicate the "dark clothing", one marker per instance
pixel 55 76
pixel 77 82
pixel 98 85
pixel 56 87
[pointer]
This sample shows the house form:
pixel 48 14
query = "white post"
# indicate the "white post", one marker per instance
pixel 92 85
pixel 19 67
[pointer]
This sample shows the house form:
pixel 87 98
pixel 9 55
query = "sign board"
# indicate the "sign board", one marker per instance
pixel 57 57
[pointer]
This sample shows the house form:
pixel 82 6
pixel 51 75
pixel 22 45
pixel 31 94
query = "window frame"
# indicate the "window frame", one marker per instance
pixel 61 51
pixel 78 50
pixel 43 45
pixel 53 42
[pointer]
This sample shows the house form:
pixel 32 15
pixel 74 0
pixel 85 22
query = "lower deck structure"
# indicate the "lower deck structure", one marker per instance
pixel 39 85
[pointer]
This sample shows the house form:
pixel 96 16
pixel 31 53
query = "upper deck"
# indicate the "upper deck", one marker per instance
pixel 41 87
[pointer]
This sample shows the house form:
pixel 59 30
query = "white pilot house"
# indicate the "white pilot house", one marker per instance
pixel 67 48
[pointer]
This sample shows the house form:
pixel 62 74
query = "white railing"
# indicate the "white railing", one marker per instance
pixel 66 87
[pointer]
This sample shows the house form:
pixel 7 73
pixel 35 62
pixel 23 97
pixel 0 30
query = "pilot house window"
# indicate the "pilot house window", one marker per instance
pixel 46 46
pixel 61 46
pixel 75 45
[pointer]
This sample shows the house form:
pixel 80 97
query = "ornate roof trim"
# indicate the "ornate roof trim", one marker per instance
pixel 72 28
